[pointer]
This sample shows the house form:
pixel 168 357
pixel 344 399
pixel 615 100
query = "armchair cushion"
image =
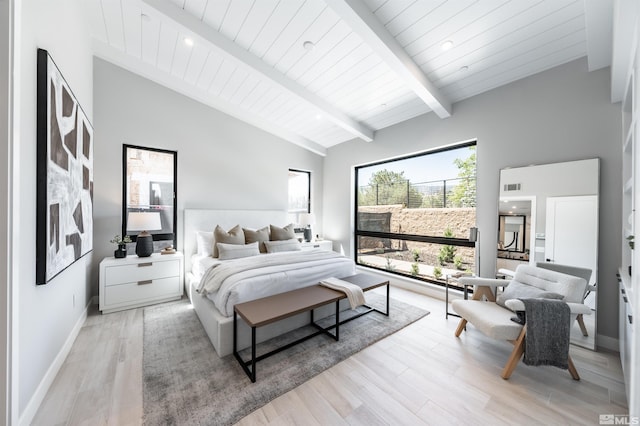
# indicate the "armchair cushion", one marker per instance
pixel 490 318
pixel 517 290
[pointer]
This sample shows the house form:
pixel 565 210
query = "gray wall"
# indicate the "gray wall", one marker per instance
pixel 559 115
pixel 223 163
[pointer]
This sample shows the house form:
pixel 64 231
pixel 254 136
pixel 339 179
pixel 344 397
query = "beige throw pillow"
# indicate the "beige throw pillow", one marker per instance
pixel 283 245
pixel 257 235
pixel 235 235
pixel 237 251
pixel 285 233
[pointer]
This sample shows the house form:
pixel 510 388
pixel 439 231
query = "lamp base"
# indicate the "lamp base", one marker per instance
pixel 144 245
pixel 307 234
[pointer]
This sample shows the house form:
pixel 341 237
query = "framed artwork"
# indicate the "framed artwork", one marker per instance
pixel 64 220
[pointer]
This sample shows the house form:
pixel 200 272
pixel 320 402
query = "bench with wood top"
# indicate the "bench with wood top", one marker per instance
pixel 266 310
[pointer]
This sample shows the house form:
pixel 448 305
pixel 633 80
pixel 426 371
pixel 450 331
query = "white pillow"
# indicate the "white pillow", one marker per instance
pixel 204 241
pixel 282 245
pixel 236 251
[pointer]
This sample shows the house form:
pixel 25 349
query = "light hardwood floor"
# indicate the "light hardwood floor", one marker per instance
pixel 420 375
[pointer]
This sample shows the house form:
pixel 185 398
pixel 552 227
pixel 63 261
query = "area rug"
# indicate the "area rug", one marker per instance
pixel 186 383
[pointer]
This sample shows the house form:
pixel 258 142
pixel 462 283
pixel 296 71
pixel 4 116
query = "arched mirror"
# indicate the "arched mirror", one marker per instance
pixel 549 213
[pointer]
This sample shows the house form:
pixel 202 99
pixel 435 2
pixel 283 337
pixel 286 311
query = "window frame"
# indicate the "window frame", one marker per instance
pixel 156 236
pixel 460 242
pixel 289 211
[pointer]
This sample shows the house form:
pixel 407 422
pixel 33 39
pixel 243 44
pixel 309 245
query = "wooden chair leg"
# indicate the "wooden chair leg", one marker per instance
pixel 516 354
pixel 572 370
pixel 461 325
pixel 583 327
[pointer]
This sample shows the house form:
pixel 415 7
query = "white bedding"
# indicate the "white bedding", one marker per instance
pixel 227 283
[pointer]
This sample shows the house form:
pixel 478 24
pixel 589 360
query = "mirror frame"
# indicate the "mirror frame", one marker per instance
pixel 173 236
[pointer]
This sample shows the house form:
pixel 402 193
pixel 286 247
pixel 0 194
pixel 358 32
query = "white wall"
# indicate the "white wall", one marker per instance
pixel 559 115
pixel 46 315
pixel 223 163
pixel 5 179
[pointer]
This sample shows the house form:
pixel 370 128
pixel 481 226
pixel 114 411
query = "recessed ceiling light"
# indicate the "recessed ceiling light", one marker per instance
pixel 510 212
pixel 464 68
pixel 188 41
pixel 383 105
pixel 514 207
pixel 318 116
pixel 447 45
pixel 309 45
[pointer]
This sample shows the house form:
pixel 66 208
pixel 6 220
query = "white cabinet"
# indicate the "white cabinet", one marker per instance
pixel 138 281
pixel 315 245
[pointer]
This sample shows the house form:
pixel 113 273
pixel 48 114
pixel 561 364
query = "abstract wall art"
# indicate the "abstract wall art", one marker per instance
pixel 64 223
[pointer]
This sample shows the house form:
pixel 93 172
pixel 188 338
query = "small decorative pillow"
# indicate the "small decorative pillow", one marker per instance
pixel 285 233
pixel 517 290
pixel 235 235
pixel 282 245
pixel 236 251
pixel 204 241
pixel 260 235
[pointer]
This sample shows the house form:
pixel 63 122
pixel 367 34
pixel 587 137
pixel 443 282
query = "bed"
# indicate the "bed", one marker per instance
pixel 276 273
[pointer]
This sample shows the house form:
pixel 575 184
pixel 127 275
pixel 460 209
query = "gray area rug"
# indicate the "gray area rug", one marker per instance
pixel 186 383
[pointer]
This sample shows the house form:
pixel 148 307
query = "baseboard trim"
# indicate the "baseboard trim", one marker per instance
pixel 609 343
pixel 38 396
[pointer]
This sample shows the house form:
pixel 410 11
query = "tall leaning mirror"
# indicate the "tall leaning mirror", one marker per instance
pixel 549 213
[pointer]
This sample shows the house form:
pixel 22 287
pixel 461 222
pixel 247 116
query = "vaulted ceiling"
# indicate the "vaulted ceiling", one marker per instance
pixel 321 72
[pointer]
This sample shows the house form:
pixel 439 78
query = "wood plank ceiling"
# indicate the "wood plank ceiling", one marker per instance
pixel 318 73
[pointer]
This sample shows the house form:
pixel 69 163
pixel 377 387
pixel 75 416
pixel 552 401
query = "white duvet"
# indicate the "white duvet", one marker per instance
pixel 239 280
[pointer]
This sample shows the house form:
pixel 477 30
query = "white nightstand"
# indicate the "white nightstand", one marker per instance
pixel 138 281
pixel 322 245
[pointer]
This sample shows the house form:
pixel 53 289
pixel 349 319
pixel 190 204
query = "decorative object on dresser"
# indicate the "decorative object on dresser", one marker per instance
pixel 64 190
pixel 134 281
pixel 145 222
pixel 121 242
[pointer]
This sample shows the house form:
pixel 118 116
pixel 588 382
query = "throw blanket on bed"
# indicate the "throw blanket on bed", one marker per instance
pixel 548 329
pixel 354 293
pixel 215 276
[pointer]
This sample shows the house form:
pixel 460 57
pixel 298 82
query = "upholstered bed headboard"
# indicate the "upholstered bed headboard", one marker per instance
pixel 206 220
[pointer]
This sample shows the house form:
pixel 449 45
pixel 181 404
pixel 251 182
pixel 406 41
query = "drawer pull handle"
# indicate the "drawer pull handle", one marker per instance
pixel 625 299
pixel 145 282
pixel 142 265
pixel 630 319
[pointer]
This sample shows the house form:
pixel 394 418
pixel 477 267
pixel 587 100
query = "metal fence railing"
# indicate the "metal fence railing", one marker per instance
pixel 447 193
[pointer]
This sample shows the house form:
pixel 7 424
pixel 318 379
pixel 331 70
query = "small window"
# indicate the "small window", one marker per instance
pixel 149 193
pixel 299 194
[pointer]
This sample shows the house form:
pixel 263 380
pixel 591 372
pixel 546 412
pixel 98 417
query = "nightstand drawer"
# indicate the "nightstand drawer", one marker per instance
pixel 120 274
pixel 143 290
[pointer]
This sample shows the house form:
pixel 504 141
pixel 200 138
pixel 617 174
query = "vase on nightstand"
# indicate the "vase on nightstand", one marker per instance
pixel 121 251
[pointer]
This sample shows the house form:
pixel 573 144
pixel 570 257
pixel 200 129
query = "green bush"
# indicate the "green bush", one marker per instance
pixel 415 269
pixel 437 272
pixel 457 260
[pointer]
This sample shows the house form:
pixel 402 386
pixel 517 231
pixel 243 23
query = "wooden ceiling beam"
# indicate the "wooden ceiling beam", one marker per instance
pixel 237 54
pixel 362 21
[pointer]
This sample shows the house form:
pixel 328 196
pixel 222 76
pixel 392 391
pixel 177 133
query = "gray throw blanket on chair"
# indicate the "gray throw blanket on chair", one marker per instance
pixel 548 328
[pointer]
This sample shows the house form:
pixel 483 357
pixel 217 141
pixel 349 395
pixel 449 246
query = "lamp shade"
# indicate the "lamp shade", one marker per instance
pixel 143 221
pixel 306 219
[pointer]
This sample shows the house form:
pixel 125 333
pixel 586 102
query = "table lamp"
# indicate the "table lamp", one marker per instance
pixel 307 220
pixel 144 222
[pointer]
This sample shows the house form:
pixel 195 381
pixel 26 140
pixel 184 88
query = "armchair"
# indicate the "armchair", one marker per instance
pixel 494 320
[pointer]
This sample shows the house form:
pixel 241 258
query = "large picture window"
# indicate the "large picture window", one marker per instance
pixel 413 214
